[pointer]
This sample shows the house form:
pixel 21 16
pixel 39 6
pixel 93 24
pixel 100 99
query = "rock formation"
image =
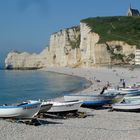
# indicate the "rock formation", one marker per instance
pixel 73 47
pixel 16 60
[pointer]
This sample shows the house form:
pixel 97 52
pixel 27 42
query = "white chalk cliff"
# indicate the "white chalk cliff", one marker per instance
pixel 72 47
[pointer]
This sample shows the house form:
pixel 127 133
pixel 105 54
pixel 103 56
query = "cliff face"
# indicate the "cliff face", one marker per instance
pixel 63 48
pixel 63 51
pixel 73 47
pixel 16 60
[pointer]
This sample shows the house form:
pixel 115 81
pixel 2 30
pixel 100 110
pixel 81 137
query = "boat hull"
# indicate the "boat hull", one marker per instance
pixel 61 107
pixel 45 107
pixel 95 103
pixel 132 98
pixel 128 92
pixel 126 107
pixel 91 100
pixel 23 111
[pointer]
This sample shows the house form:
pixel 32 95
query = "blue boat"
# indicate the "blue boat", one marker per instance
pixel 94 100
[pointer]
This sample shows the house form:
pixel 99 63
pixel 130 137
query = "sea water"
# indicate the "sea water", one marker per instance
pixel 18 86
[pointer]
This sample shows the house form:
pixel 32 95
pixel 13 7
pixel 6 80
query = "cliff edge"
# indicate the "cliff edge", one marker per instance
pixel 97 41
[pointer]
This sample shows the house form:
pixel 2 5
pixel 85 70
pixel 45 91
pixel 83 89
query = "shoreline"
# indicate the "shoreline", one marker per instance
pixel 98 77
pixel 87 85
pixel 99 125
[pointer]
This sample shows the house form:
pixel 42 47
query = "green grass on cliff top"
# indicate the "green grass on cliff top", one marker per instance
pixel 122 28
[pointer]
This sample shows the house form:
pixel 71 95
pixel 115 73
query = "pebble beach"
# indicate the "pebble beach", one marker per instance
pixel 101 124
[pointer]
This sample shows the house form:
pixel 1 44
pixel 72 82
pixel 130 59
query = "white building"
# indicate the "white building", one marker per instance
pixel 137 57
pixel 133 12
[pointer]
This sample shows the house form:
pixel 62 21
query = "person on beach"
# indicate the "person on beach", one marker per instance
pixel 104 88
pixel 108 84
pixel 117 87
pixel 123 83
pixel 121 80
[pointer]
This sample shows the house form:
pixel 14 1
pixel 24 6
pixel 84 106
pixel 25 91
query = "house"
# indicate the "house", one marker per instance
pixel 133 12
pixel 137 57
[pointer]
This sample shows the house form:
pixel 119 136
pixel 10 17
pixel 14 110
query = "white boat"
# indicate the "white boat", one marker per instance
pixel 128 89
pixel 123 91
pixel 137 84
pixel 45 106
pixel 93 100
pixel 129 99
pixel 23 110
pixel 60 107
pixel 132 97
pixel 128 107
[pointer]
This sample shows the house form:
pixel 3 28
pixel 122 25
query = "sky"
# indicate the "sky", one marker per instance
pixel 26 25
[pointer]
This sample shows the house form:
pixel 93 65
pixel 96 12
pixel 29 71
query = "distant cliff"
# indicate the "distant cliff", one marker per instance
pixel 86 45
pixel 24 60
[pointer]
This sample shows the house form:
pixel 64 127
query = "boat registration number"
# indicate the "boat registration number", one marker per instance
pixel 30 107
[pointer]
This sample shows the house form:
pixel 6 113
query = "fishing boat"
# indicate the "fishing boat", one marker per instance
pixel 23 110
pixel 127 106
pixel 137 84
pixel 63 107
pixel 128 89
pixel 123 91
pixel 45 106
pixel 132 99
pixel 129 103
pixel 93 100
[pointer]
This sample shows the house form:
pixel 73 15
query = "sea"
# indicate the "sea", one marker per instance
pixel 20 85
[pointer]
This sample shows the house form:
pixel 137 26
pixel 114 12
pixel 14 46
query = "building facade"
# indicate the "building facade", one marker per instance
pixel 133 12
pixel 137 57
